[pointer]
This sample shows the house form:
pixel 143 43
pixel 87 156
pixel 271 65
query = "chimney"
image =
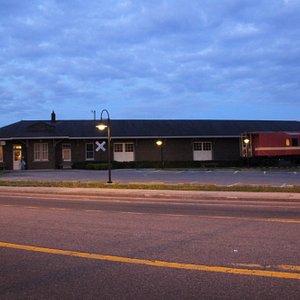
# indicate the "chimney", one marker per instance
pixel 53 116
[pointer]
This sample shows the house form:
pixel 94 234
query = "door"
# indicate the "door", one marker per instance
pixel 202 151
pixel 17 157
pixel 66 156
pixel 66 152
pixel 123 152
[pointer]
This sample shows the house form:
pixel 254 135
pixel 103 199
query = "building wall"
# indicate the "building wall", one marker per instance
pixel 144 150
pixel 7 156
pixel 173 150
pixel 225 149
pixel 29 155
pixel 182 149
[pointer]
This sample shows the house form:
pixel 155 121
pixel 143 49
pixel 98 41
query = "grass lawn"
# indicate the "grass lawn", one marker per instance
pixel 153 186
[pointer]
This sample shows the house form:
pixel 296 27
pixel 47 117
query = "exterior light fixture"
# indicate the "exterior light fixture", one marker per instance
pixel 246 141
pixel 103 126
pixel 160 144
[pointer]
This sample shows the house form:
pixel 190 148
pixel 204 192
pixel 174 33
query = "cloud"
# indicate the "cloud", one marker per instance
pixel 169 59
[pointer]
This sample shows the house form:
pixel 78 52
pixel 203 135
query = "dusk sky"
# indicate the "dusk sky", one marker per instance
pixel 150 59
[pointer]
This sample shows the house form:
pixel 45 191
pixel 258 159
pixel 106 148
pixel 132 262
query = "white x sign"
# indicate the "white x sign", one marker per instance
pixel 100 146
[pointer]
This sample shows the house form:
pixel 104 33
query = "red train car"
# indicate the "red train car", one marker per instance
pixel 270 144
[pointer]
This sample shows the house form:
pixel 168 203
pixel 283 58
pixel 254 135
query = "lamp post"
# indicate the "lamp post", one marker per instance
pixel 160 144
pixel 246 142
pixel 102 126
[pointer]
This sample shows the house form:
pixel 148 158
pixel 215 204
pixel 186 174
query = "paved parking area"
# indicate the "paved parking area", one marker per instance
pixel 218 177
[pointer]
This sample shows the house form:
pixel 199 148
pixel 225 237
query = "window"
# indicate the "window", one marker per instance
pixel 89 151
pixel 294 142
pixel 206 146
pixel 202 146
pixel 1 153
pixel 41 152
pixel 128 147
pixel 287 142
pixel 197 146
pixel 118 147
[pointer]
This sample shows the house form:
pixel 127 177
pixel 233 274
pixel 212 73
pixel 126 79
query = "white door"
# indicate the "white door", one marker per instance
pixel 202 151
pixel 17 157
pixel 123 152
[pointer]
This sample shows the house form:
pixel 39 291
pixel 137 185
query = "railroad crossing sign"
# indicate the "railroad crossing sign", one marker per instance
pixel 100 146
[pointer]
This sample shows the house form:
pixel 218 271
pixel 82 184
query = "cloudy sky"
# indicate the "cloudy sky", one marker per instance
pixel 172 59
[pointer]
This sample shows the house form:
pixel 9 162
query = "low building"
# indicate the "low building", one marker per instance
pixel 50 144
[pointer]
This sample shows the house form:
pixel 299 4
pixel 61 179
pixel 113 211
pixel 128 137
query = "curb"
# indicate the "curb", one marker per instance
pixel 152 194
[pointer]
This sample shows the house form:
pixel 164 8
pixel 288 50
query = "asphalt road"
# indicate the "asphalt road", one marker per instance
pixel 219 177
pixel 56 246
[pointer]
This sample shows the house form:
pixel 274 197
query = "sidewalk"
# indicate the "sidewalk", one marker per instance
pixel 150 194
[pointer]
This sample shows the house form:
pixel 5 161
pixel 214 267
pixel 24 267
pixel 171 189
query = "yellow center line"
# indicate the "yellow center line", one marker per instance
pixel 154 263
pixel 281 267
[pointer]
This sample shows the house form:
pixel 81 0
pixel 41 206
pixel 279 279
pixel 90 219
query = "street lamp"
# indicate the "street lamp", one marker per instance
pixel 160 144
pixel 103 126
pixel 246 142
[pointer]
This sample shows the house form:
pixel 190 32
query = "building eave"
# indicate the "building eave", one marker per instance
pixel 34 138
pixel 118 137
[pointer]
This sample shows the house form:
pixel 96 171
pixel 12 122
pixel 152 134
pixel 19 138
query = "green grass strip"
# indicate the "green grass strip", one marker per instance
pixel 154 186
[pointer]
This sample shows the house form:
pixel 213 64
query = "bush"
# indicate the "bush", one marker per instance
pixel 96 165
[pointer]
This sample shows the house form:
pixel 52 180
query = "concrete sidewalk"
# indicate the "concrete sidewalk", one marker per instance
pixel 148 194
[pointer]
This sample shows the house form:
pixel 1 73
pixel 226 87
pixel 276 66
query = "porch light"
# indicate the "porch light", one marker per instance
pixel 246 141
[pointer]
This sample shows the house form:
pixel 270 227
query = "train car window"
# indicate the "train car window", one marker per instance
pixel 287 142
pixel 294 142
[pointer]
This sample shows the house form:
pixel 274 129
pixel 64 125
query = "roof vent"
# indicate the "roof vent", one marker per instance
pixel 53 116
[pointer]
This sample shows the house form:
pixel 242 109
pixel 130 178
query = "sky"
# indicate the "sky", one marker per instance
pixel 172 59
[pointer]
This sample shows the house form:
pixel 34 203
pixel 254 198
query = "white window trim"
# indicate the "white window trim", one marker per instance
pixel 127 145
pixel 120 147
pixel 1 153
pixel 91 158
pixel 41 152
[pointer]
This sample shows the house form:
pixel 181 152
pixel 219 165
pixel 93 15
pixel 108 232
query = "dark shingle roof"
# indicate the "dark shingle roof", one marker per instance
pixel 143 128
